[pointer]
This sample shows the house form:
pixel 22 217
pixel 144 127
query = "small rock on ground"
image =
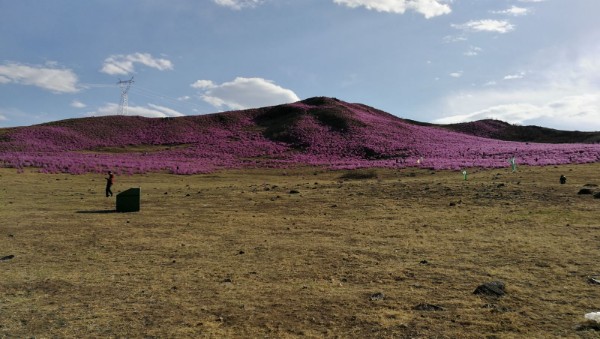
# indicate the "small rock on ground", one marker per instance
pixel 377 296
pixel 494 289
pixel 428 307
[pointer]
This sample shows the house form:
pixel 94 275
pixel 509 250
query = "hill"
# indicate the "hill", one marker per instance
pixel 317 131
pixel 501 130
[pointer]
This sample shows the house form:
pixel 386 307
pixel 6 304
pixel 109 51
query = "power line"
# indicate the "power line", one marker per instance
pixel 159 96
pixel 126 88
pixel 125 85
pixel 87 86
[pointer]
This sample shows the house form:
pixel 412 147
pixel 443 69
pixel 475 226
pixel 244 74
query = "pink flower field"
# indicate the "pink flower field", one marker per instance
pixel 317 132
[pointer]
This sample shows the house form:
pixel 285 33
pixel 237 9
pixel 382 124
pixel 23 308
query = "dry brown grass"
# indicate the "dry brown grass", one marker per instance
pixel 235 254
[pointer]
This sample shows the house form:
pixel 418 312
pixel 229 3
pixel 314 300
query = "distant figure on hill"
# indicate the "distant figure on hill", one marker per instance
pixel 109 182
pixel 563 180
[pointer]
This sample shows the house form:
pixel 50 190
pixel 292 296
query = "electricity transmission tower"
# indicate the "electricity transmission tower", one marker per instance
pixel 123 104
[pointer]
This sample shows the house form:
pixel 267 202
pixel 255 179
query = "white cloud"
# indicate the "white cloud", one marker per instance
pixel 152 111
pixel 204 84
pixel 577 112
pixel 454 38
pixel 487 25
pixel 57 80
pixel 532 0
pixel 429 8
pixel 514 113
pixel 516 76
pixel 125 64
pixel 238 4
pixel 514 11
pixel 563 95
pixel 243 93
pixel 473 51
pixel 456 74
pixel 78 104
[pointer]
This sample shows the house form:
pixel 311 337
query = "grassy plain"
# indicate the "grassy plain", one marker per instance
pixel 300 253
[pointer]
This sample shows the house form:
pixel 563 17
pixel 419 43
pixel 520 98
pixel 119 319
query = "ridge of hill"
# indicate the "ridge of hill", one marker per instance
pixel 497 129
pixel 318 131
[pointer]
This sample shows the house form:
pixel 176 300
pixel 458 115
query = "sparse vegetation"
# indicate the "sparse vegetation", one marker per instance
pixel 359 174
pixel 232 254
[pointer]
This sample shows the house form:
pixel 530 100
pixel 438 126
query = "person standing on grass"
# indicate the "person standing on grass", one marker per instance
pixel 109 182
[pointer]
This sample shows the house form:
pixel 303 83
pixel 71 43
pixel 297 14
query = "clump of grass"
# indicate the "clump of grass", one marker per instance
pixel 360 175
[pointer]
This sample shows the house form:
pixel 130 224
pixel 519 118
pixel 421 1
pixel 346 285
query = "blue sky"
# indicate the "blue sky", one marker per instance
pixel 529 62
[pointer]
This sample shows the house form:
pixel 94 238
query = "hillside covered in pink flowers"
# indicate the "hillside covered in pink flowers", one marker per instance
pixel 317 132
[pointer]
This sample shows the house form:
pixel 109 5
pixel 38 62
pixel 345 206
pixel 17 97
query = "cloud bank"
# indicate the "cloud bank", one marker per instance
pixel 514 11
pixel 78 104
pixel 429 8
pixel 151 111
pixel 486 25
pixel 243 93
pixel 56 80
pixel 564 96
pixel 125 64
pixel 238 4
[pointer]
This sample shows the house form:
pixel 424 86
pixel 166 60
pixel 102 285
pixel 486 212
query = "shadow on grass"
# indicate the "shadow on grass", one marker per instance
pixel 98 211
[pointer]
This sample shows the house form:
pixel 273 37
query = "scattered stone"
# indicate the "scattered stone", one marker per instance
pixel 241 252
pixel 294 192
pixel 423 262
pixel 377 296
pixel 594 281
pixel 493 289
pixel 8 257
pixel 585 190
pixel 452 204
pixel 593 316
pixel 500 185
pixel 428 307
pixel 588 326
pixel 597 195
pixel 592 322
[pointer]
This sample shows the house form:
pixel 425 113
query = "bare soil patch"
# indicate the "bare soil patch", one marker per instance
pixel 236 254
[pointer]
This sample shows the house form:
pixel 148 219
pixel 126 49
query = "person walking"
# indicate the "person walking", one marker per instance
pixel 109 182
